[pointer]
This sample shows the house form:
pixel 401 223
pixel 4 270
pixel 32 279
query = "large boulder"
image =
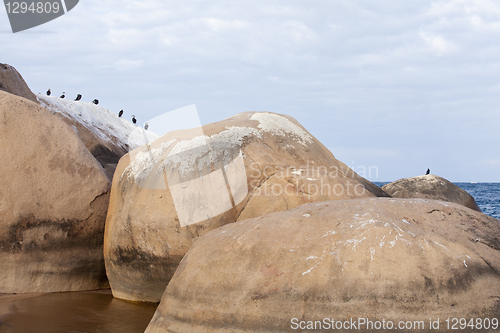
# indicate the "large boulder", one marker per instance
pixel 53 203
pixel 12 82
pixel 430 187
pixel 168 193
pixel 379 259
pixel 105 135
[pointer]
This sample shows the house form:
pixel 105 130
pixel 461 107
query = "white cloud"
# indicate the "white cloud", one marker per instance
pixel 479 23
pixel 481 14
pixel 126 64
pixel 492 162
pixel 484 7
pixel 438 44
pixel 441 8
pixel 300 32
pixel 219 25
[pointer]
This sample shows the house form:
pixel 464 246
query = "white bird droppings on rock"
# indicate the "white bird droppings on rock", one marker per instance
pixel 100 121
pixel 279 125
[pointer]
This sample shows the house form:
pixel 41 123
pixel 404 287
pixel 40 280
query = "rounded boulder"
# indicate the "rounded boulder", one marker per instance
pixel 170 192
pixel 381 259
pixel 53 203
pixel 12 82
pixel 430 187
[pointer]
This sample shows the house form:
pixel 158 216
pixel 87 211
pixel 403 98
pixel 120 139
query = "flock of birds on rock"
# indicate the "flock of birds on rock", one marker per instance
pixel 96 101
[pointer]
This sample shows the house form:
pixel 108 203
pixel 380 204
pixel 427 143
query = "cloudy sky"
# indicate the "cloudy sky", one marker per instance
pixel 394 87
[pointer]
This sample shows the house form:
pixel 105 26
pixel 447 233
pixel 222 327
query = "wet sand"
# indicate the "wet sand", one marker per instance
pixel 75 312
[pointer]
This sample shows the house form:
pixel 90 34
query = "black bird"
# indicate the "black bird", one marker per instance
pixel 120 113
pixel 63 95
pixel 133 119
pixel 48 92
pixel 428 171
pixel 78 97
pixel 146 126
pixel 95 101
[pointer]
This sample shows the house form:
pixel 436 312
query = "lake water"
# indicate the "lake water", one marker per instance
pixel 487 196
pixel 76 312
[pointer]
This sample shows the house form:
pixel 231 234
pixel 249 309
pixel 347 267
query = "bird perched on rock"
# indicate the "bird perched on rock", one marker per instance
pixel 95 101
pixel 120 113
pixel 428 171
pixel 78 97
pixel 63 95
pixel 48 92
pixel 146 126
pixel 133 119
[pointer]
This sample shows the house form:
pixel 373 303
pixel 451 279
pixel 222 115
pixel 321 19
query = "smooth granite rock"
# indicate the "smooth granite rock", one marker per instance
pixel 53 202
pixel 377 258
pixel 167 194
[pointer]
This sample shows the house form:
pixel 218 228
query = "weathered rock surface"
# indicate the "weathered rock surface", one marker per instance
pixel 53 203
pixel 378 258
pixel 167 194
pixel 12 82
pixel 105 135
pixel 430 187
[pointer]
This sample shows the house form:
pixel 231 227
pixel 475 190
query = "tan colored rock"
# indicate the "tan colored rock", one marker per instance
pixel 53 203
pixel 378 258
pixel 165 195
pixel 12 82
pixel 430 187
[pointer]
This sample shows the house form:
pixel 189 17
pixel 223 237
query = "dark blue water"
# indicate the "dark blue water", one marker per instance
pixel 487 196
